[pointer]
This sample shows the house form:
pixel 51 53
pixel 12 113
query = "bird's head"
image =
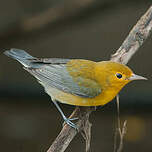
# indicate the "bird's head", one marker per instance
pixel 116 75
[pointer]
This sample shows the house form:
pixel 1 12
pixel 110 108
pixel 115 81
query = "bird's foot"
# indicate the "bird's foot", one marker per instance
pixel 70 123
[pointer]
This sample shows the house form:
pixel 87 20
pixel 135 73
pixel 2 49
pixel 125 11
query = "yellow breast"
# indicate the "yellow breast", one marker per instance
pixel 102 99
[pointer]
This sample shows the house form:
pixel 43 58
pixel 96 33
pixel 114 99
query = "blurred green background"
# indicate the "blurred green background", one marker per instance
pixel 89 29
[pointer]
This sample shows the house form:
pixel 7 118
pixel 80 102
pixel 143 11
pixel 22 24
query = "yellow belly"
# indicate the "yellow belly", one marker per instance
pixel 66 98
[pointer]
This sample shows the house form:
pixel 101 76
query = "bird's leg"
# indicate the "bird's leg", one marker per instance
pixel 67 120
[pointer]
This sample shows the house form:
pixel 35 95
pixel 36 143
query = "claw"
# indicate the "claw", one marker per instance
pixel 66 120
pixel 71 119
pixel 70 123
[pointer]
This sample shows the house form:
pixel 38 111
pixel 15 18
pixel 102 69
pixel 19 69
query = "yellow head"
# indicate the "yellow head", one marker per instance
pixel 115 75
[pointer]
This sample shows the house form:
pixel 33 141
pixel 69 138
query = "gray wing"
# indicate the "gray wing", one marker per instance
pixel 52 72
pixel 57 76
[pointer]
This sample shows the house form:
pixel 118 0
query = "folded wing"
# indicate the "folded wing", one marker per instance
pixel 56 74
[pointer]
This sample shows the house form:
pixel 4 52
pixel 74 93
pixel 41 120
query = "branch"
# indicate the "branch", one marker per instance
pixel 68 133
pixel 135 39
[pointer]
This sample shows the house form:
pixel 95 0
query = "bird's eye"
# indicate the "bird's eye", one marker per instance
pixel 119 76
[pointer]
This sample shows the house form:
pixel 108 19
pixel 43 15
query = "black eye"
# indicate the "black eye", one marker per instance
pixel 119 76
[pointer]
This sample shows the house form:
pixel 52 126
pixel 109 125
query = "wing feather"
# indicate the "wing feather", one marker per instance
pixel 57 76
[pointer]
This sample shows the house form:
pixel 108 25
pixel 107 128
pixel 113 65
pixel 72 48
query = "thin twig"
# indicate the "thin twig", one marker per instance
pixel 86 133
pixel 118 124
pixel 135 39
pixel 118 111
pixel 115 139
pixel 122 134
pixel 122 131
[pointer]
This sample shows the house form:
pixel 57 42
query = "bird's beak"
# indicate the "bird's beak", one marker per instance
pixel 137 77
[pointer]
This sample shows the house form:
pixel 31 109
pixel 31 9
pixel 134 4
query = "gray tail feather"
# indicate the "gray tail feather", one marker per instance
pixel 19 55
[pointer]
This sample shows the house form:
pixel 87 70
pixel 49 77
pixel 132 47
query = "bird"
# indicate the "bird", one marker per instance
pixel 76 82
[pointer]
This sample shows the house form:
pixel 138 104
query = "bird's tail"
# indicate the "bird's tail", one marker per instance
pixel 20 55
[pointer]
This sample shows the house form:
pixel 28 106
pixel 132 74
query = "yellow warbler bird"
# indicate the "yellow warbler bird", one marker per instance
pixel 76 81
